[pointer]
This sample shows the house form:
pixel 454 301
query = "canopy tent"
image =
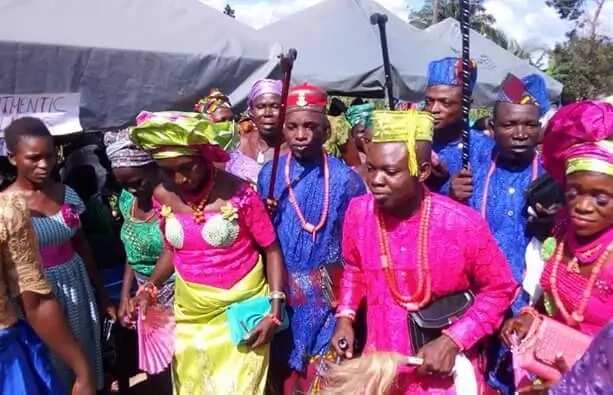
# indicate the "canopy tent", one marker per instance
pixel 125 56
pixel 339 49
pixel 493 61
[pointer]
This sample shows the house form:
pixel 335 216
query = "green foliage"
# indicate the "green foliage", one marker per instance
pixel 583 65
pixel 568 9
pixel 480 21
pixel 229 11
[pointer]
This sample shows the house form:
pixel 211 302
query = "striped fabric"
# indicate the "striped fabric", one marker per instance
pixel 72 287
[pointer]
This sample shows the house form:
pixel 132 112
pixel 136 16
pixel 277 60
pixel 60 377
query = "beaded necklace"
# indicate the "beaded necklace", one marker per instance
pixel 577 316
pixel 490 172
pixel 310 228
pixel 198 209
pixel 423 293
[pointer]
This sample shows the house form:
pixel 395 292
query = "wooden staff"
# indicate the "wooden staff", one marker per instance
pixel 380 20
pixel 466 72
pixel 287 63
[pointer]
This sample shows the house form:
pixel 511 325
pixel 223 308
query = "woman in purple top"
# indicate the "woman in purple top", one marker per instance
pixel 256 146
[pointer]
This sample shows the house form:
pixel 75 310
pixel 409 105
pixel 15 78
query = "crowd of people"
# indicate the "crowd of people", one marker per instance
pixel 369 247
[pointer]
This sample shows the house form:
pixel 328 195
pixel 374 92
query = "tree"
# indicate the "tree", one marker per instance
pixel 479 18
pixel 480 21
pixel 229 11
pixel 583 65
pixel 577 10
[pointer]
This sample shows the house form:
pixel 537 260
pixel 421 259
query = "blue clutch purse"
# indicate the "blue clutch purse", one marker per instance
pixel 244 316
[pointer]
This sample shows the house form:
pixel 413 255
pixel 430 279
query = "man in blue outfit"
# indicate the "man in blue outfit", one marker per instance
pixel 496 187
pixel 444 102
pixel 312 192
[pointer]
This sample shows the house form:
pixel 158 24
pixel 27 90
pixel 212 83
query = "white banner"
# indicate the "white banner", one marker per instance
pixel 59 111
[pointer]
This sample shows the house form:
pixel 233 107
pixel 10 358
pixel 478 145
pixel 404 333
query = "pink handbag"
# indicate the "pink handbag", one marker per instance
pixel 546 340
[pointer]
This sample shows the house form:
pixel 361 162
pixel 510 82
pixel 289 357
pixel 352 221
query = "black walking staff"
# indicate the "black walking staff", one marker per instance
pixel 466 71
pixel 287 63
pixel 381 20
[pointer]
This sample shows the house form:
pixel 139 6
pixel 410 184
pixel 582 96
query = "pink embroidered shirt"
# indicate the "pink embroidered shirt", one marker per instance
pixel 462 255
pixel 223 250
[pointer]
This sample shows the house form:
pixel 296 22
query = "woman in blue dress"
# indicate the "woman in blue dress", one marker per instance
pixel 66 256
pixel 24 359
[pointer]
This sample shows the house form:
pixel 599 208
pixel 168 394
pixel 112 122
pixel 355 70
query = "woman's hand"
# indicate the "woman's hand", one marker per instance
pixel 438 355
pixel 139 305
pixel 515 329
pixel 108 308
pixel 262 334
pixel 125 312
pixel 84 384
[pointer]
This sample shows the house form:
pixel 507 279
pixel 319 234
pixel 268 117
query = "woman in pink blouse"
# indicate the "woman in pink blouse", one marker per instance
pixel 214 227
pixel 578 276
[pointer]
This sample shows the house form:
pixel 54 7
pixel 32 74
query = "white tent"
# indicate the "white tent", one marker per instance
pixel 125 56
pixel 339 49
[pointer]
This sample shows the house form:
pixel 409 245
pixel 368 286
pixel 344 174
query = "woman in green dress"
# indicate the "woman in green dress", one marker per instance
pixel 138 174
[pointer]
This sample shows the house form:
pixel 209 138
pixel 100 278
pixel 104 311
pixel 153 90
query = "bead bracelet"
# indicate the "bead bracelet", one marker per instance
pixel 277 295
pixel 150 289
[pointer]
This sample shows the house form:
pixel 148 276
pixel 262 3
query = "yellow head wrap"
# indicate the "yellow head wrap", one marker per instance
pixel 339 134
pixel 172 134
pixel 403 126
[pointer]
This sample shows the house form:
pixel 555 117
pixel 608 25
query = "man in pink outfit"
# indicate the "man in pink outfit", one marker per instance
pixel 405 247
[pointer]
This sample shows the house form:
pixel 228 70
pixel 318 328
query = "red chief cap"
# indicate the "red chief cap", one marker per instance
pixel 306 97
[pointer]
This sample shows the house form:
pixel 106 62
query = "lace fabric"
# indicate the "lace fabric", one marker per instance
pixel 142 241
pixel 20 268
pixel 243 166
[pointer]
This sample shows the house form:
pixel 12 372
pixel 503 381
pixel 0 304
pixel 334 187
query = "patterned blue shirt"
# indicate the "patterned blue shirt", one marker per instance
pixel 451 155
pixel 506 209
pixel 312 316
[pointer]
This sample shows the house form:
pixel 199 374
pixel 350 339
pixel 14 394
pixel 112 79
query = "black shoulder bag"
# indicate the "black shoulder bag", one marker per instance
pixel 428 323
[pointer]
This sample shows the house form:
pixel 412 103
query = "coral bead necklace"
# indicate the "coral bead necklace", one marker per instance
pixel 310 228
pixel 577 316
pixel 198 209
pixel 423 292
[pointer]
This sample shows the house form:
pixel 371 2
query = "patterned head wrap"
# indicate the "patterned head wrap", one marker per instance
pixel 307 97
pixel 263 87
pixel 448 71
pixel 339 134
pixel 122 152
pixel 403 126
pixel 530 90
pixel 173 134
pixel 360 113
pixel 209 104
pixel 579 137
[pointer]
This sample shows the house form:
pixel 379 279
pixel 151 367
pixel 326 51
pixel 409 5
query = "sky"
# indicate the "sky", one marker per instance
pixel 530 22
